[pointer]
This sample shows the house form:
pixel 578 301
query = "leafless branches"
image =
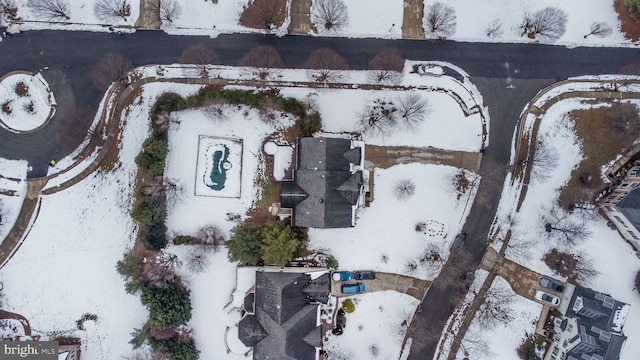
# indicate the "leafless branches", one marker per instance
pixel 167 10
pixel 111 68
pixel 404 189
pixel 329 15
pixel 160 271
pixel 494 30
pixel 496 307
pixel 112 10
pixel 377 119
pixel 201 56
pixel 412 109
pixel 217 109
pixel 576 267
pixel 197 259
pixel 210 236
pixel 264 59
pixel 387 66
pixel 544 161
pixel 561 226
pixel 546 24
pixel 8 11
pixel 440 20
pixel 519 246
pixel 326 64
pixel 599 29
pixel 50 9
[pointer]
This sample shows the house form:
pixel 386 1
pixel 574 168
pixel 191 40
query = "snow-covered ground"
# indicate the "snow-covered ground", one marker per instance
pixel 13 189
pixel 375 329
pixel 612 257
pixel 25 102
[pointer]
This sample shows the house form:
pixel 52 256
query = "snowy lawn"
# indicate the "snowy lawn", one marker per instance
pixel 374 18
pixel 13 189
pixel 373 242
pixel 614 259
pixel 499 340
pixel 375 329
pixel 25 102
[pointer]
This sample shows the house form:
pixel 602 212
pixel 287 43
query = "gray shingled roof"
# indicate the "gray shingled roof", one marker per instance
pixel 324 189
pixel 630 207
pixel 286 310
pixel 600 329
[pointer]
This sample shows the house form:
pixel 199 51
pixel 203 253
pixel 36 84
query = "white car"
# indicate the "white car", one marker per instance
pixel 547 298
pixel 430 70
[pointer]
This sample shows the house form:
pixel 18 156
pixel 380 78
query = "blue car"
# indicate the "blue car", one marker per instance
pixel 341 276
pixel 352 288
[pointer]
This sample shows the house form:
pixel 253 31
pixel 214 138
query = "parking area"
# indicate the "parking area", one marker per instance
pixel 523 281
pixel 387 281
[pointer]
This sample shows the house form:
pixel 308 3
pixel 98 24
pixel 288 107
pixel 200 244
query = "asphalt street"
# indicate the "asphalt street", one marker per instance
pixel 508 76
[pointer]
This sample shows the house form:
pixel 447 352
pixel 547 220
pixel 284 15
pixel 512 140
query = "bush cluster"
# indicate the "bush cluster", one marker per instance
pixel 310 122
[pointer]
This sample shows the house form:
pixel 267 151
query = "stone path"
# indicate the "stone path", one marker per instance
pixel 412 19
pixel 148 19
pixel 388 281
pixel 300 12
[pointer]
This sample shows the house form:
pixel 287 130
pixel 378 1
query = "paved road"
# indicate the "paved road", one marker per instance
pixel 73 54
pixel 70 55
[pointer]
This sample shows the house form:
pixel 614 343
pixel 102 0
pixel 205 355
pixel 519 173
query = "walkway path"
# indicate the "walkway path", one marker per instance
pixel 387 156
pixel 149 19
pixel 300 12
pixel 387 281
pixel 412 19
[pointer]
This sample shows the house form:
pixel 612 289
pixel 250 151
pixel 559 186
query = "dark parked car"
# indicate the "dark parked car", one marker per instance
pixel 459 241
pixel 363 275
pixel 546 283
pixel 352 288
pixel 467 281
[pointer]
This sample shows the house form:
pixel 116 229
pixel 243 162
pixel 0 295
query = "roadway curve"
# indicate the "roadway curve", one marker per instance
pixel 525 68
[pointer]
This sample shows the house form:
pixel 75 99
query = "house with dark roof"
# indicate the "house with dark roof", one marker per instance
pixel 589 329
pixel 622 206
pixel 282 316
pixel 328 185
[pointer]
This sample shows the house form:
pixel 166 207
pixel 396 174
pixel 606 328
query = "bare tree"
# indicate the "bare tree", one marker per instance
pixel 547 24
pixel 544 161
pixel 387 66
pixel 8 11
pixel 329 15
pixel 198 259
pixel 167 10
pixel 412 109
pixel 111 68
pixel 112 10
pixel 520 245
pixel 494 30
pixel 440 20
pixel 50 9
pixel 599 29
pixel 326 65
pixel 269 109
pixel 576 267
pixel 217 109
pixel 561 226
pixel 174 191
pixel 378 118
pixel 264 14
pixel 477 345
pixel 496 307
pixel 264 59
pixel 168 260
pixel 201 56
pixel 159 272
pixel 210 236
pixel 404 189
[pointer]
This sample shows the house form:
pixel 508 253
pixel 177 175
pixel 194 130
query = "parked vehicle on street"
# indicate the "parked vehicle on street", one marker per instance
pixel 341 276
pixel 549 284
pixel 548 298
pixel 459 241
pixel 467 281
pixel 363 275
pixel 353 288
